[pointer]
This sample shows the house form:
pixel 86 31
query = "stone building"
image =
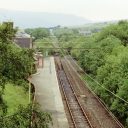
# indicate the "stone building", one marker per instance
pixel 23 40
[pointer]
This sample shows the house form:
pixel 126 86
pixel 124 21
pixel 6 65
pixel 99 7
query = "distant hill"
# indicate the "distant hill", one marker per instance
pixel 25 19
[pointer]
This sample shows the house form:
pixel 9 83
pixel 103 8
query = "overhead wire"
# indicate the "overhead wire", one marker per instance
pixel 98 82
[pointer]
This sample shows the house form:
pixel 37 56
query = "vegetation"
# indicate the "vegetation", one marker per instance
pixel 38 33
pixel 15 96
pixel 105 59
pixel 44 45
pixel 16 65
pixel 67 37
pixel 42 40
pixel 23 116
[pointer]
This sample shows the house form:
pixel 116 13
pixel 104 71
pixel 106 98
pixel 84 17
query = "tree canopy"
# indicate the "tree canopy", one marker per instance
pixel 38 33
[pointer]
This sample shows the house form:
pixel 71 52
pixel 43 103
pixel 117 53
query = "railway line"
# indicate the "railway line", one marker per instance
pixel 85 109
pixel 78 115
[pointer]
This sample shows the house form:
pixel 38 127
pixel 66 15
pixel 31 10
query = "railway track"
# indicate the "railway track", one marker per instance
pixel 78 115
pixel 73 68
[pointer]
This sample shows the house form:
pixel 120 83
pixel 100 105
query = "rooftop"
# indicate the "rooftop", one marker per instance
pixel 22 34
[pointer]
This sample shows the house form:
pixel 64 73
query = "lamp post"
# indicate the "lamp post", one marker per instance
pixel 30 86
pixel 29 92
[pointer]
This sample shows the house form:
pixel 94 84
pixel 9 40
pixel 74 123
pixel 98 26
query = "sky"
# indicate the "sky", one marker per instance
pixel 95 10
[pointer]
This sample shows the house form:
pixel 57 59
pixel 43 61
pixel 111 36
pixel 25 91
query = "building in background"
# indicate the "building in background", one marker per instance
pixel 23 39
pixel 85 32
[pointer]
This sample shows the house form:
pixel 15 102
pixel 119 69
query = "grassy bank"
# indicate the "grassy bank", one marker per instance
pixel 15 96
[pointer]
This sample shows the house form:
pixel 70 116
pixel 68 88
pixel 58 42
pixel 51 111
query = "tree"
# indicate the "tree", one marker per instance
pixel 38 33
pixel 26 117
pixel 119 107
pixel 119 30
pixel 6 35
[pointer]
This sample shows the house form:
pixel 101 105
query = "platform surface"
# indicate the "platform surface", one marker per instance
pixel 48 94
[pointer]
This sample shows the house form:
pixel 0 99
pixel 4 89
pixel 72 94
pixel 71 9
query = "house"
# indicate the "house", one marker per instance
pixel 23 39
pixel 85 33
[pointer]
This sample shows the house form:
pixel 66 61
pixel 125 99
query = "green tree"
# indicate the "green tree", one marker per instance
pixel 119 30
pixel 119 107
pixel 26 117
pixel 38 33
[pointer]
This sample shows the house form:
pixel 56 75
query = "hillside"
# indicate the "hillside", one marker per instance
pixel 40 19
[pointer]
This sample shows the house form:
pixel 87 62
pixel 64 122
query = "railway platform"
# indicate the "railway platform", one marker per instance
pixel 48 94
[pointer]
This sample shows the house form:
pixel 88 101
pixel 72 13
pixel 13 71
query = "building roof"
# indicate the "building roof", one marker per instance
pixel 22 34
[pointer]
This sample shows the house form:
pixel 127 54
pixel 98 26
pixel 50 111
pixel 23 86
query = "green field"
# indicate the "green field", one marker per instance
pixel 14 96
pixel 44 45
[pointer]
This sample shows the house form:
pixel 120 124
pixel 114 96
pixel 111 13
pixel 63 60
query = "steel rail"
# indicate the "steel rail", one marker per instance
pixel 71 82
pixel 59 68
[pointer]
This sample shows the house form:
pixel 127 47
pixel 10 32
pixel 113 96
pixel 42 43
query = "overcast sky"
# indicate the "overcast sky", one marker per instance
pixel 96 10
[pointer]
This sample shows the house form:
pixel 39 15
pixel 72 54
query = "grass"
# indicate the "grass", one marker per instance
pixel 15 96
pixel 42 43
